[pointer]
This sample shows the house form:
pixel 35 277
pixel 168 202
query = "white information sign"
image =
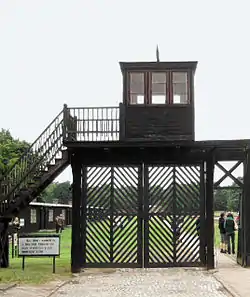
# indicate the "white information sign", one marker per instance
pixel 39 246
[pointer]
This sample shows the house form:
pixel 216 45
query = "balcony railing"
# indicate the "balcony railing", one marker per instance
pixel 91 123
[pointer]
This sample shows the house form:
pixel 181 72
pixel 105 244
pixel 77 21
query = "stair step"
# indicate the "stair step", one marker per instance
pixel 50 166
pixel 23 189
pixel 65 155
pixel 40 173
pixel 32 185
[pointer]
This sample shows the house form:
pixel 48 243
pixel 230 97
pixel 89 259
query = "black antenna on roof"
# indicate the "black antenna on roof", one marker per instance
pixel 157 54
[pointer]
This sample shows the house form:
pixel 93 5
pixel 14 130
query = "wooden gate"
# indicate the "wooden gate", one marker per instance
pixel 113 229
pixel 172 205
pixel 142 216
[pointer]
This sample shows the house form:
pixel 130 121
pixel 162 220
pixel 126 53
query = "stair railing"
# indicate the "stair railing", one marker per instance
pixel 35 160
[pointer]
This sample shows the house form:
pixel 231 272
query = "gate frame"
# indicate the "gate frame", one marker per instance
pixel 159 152
pixel 202 214
pixel 111 213
pixel 143 217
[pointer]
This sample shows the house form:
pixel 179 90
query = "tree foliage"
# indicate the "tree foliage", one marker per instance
pixel 11 150
pixel 57 191
pixel 227 199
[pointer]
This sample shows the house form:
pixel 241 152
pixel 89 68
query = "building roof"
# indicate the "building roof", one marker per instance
pixel 158 65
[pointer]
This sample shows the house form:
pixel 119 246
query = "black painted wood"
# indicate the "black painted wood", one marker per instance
pixel 210 210
pixel 4 243
pixel 203 233
pixel 76 257
pixel 246 211
pixel 162 122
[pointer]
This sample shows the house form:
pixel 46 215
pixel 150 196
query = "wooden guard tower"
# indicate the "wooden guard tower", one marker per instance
pixel 138 175
pixel 158 101
pixel 149 138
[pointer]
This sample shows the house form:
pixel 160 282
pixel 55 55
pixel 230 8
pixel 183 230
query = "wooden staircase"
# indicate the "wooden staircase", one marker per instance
pixel 45 159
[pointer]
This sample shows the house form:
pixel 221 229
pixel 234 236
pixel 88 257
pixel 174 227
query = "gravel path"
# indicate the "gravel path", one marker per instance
pixel 173 282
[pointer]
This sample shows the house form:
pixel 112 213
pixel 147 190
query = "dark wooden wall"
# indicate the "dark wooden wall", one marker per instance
pixel 42 218
pixel 28 226
pixel 163 122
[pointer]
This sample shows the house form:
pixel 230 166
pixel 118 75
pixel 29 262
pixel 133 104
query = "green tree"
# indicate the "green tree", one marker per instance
pixel 228 199
pixel 11 150
pixel 60 191
pixel 234 196
pixel 221 199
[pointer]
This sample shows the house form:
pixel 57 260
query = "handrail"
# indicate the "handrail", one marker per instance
pixel 71 124
pixel 40 161
pixel 93 124
pixel 28 149
pixel 36 158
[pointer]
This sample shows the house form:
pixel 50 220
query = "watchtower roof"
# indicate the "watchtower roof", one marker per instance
pixel 158 65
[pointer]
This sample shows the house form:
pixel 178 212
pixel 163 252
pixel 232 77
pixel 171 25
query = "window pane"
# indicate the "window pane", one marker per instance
pixel 51 215
pixel 159 89
pixel 159 77
pixel 33 216
pixel 136 88
pixel 63 214
pixel 158 99
pixel 180 88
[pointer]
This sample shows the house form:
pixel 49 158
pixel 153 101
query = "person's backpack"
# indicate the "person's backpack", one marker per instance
pixel 230 226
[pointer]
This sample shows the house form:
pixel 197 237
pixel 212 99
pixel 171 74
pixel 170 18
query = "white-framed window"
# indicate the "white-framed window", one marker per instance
pixel 63 214
pixel 33 216
pixel 136 91
pixel 51 215
pixel 180 87
pixel 159 88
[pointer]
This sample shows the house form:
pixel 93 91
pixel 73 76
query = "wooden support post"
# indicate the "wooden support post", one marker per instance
pixel 145 216
pixel 175 217
pixel 245 212
pixel 112 216
pixel 76 214
pixel 203 232
pixel 122 121
pixel 84 217
pixel 4 243
pixel 210 210
pixel 240 243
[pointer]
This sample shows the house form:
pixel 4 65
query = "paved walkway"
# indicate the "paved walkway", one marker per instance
pixel 145 282
pixel 178 282
pixel 31 291
pixel 233 276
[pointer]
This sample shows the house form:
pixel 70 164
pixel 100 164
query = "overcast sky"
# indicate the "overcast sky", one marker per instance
pixel 55 51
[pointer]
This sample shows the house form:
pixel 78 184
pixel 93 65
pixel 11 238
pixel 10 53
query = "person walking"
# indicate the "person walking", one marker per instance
pixel 230 233
pixel 223 241
pixel 59 224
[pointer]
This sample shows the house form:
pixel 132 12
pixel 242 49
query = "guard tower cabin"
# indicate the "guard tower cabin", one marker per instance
pixel 158 101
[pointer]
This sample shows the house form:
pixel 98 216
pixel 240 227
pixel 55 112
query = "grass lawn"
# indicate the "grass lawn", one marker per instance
pixel 39 270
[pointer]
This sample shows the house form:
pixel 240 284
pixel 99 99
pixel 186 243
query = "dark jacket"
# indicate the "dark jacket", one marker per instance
pixel 229 225
pixel 222 225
